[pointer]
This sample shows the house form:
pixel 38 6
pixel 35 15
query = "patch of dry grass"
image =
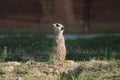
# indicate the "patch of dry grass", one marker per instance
pixel 88 70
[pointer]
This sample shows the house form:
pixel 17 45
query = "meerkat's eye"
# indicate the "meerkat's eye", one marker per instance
pixel 57 25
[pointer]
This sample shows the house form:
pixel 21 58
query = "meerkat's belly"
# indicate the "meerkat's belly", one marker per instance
pixel 59 50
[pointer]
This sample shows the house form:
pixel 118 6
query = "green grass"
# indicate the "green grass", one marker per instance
pixel 106 47
pixel 21 71
pixel 2 71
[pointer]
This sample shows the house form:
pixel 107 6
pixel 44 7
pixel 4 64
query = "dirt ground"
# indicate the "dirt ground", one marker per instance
pixel 32 70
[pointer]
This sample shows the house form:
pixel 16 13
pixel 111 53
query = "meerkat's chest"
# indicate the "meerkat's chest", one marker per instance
pixel 59 44
pixel 59 41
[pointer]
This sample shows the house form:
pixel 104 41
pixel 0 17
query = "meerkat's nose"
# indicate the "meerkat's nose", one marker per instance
pixel 54 25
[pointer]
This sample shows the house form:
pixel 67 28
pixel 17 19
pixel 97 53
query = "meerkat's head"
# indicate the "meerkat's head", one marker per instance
pixel 59 28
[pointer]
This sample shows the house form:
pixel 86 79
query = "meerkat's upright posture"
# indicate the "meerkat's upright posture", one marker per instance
pixel 58 52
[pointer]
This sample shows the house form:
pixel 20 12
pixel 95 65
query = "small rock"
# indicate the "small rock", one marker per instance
pixel 19 78
pixel 14 63
pixel 50 70
pixel 56 71
pixel 70 62
pixel 8 68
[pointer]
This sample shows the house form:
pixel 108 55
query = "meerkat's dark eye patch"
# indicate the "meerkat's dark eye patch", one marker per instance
pixel 62 29
pixel 57 25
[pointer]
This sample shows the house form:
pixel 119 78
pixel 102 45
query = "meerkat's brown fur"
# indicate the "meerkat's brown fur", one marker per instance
pixel 58 50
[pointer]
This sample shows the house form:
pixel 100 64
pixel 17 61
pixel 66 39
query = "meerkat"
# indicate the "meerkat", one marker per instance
pixel 58 50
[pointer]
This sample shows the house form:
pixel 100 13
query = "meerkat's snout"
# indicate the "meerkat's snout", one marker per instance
pixel 58 27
